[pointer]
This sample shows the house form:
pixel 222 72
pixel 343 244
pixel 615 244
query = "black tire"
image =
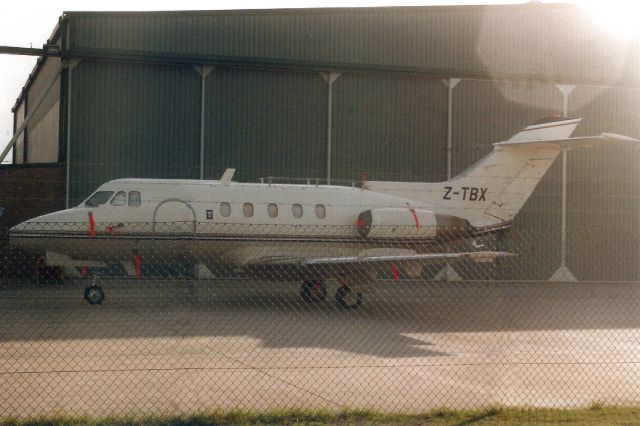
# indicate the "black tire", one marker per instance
pixel 313 291
pixel 344 298
pixel 94 295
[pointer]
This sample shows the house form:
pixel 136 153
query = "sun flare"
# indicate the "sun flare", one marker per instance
pixel 619 17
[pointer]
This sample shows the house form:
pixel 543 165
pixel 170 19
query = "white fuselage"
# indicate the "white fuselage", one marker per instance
pixel 218 221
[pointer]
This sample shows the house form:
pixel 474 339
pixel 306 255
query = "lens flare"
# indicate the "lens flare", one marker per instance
pixel 618 17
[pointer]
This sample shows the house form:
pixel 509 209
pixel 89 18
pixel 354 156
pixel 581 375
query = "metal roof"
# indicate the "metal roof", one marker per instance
pixel 378 40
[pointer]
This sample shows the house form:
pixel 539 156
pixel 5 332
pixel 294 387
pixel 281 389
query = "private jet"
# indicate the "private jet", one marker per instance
pixel 308 232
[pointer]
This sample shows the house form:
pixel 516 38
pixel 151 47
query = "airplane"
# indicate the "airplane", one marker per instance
pixel 280 231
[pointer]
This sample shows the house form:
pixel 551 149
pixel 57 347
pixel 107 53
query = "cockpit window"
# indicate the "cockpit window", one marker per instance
pixel 98 199
pixel 134 199
pixel 120 199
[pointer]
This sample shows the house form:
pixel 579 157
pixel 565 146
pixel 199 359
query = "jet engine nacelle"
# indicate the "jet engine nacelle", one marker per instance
pixel 407 223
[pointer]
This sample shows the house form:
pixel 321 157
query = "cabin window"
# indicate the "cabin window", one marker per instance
pixel 120 199
pixel 272 210
pixel 134 199
pixel 247 209
pixel 98 199
pixel 225 209
pixel 321 211
pixel 297 210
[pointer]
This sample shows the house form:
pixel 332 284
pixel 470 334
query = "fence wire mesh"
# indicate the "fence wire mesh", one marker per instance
pixel 110 319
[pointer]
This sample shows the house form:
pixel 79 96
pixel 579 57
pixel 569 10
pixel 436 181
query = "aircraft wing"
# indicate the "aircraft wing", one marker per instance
pixel 279 266
pixel 476 256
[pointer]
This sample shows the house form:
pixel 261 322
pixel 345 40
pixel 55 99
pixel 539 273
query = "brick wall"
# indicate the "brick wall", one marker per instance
pixel 27 191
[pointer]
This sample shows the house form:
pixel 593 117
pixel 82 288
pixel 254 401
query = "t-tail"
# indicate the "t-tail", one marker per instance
pixel 492 191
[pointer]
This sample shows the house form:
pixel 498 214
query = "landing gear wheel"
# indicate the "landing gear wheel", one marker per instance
pixel 313 291
pixel 347 298
pixel 94 295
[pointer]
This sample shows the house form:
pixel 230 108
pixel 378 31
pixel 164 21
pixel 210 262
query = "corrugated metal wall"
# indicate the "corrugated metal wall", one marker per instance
pixel 485 112
pixel 389 128
pixel 603 188
pixel 43 127
pixel 265 123
pixel 495 39
pixel 132 120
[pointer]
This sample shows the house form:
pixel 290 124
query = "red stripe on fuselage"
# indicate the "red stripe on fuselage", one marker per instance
pixel 92 226
pixel 394 272
pixel 137 261
pixel 415 218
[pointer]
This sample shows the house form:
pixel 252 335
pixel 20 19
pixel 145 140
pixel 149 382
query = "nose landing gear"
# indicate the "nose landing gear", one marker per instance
pixel 94 294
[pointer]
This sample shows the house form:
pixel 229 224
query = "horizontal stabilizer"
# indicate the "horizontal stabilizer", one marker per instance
pixel 569 143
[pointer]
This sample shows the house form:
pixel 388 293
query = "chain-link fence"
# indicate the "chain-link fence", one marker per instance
pixel 109 319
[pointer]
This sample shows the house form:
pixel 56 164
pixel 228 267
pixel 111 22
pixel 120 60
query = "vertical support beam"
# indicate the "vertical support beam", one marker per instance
pixel 63 108
pixel 563 225
pixel 448 273
pixel 70 65
pixel 63 124
pixel 329 77
pixel 25 139
pixel 451 83
pixel 204 71
pixel 563 273
pixel 15 126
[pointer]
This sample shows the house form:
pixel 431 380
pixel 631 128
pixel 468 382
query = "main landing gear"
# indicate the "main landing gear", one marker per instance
pixel 347 298
pixel 315 291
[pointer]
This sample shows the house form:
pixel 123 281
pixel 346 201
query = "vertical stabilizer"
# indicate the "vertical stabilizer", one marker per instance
pixel 493 190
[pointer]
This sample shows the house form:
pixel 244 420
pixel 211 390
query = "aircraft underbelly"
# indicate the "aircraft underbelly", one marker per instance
pixel 198 250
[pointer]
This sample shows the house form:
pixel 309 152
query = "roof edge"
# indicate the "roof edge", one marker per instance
pixel 319 10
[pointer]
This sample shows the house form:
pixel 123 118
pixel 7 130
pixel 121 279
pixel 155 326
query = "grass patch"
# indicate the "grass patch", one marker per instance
pixel 595 414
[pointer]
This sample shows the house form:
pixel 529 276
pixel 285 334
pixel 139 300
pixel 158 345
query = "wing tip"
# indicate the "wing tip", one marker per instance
pixel 619 138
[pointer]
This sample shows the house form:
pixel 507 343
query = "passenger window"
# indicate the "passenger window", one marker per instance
pixel 272 210
pixel 247 209
pixel 321 211
pixel 120 199
pixel 297 211
pixel 98 199
pixel 225 209
pixel 134 199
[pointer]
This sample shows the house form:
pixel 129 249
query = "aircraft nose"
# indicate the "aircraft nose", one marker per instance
pixel 18 229
pixel 16 233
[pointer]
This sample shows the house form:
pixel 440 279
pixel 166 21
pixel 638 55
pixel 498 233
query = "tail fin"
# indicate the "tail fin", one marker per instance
pixel 493 190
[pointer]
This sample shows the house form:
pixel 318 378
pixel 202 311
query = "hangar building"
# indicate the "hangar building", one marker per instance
pixel 406 93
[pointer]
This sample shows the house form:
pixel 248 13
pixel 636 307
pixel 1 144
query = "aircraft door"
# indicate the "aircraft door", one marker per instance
pixel 174 216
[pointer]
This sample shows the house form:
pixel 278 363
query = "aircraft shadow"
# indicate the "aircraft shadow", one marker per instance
pixel 401 320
